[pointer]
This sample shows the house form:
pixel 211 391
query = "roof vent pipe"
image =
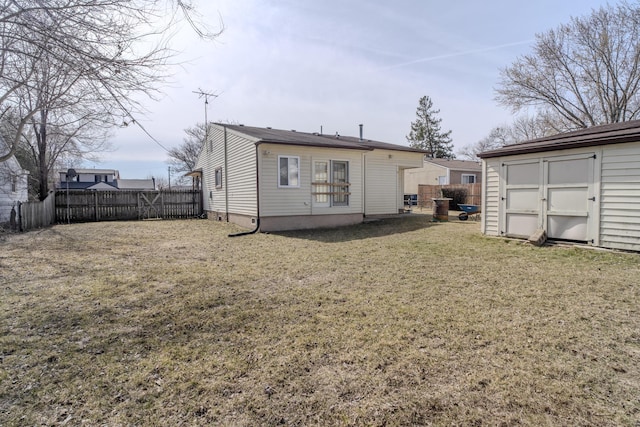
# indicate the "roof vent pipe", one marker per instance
pixel 360 132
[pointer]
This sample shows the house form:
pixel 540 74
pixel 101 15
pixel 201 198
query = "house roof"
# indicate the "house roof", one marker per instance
pixel 454 164
pixel 615 133
pixel 292 137
pixel 92 171
pixel 74 185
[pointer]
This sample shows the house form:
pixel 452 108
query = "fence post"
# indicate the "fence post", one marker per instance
pixel 163 214
pixel 20 216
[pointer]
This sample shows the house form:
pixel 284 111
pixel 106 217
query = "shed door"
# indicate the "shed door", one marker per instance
pixel 521 198
pixel 568 197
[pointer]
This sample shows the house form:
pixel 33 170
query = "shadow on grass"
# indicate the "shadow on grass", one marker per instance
pixel 368 229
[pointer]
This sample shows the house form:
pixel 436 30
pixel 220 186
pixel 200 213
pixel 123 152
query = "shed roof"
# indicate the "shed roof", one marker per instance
pixel 614 133
pixel 454 164
pixel 292 137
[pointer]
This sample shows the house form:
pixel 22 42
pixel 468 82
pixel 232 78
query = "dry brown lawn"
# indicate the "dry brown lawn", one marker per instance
pixel 398 322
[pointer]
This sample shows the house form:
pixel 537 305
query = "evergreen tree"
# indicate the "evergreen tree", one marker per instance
pixel 426 133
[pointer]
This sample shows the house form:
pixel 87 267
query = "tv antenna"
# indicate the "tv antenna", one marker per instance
pixel 206 95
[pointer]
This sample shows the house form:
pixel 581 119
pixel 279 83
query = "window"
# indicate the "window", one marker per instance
pixel 289 172
pixel 468 179
pixel 14 183
pixel 442 180
pixel 340 180
pixel 320 183
pixel 330 186
pixel 218 177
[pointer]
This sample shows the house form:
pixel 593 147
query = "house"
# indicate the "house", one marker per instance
pixel 579 186
pixel 269 179
pixel 100 179
pixel 88 179
pixel 442 172
pixel 14 187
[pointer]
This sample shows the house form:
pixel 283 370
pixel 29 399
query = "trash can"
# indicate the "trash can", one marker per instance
pixel 441 209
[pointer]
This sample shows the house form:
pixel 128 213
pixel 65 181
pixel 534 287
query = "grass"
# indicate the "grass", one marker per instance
pixel 397 322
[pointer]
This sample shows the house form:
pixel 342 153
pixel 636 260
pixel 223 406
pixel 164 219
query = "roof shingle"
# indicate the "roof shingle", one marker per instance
pixel 614 133
pixel 292 137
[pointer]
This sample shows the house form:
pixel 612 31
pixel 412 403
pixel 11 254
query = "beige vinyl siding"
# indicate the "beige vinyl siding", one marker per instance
pixel 427 173
pixel 239 170
pixel 620 197
pixel 277 201
pixel 385 180
pixel 491 197
pixel 241 174
pixel 211 157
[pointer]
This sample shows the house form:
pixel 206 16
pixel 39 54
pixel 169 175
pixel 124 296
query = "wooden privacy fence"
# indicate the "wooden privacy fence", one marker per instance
pixel 91 205
pixel 469 194
pixel 33 215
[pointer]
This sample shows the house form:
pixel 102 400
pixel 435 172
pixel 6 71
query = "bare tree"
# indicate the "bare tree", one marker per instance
pixel 498 137
pixel 115 47
pixel 523 128
pixel 71 120
pixel 184 157
pixel 586 72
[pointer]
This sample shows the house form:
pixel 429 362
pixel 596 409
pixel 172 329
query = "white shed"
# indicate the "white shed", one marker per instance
pixel 581 186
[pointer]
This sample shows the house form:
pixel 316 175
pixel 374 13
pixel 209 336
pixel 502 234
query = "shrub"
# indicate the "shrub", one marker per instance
pixel 459 196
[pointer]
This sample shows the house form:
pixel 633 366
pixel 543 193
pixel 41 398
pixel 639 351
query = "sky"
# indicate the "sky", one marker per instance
pixel 334 64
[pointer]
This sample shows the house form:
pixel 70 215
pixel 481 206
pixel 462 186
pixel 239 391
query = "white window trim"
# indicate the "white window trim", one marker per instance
pixel 288 177
pixel 328 185
pixel 215 177
pixel 475 179
pixel 330 197
pixel 348 203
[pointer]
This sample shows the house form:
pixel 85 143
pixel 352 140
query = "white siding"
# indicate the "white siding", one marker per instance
pixel 616 187
pixel 385 171
pixel 385 177
pixel 9 198
pixel 620 197
pixel 277 201
pixel 427 174
pixel 239 186
pixel 241 176
pixel 491 197
pixel 381 190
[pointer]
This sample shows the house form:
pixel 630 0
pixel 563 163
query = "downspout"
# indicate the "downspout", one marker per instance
pixel 364 185
pixel 226 177
pixel 255 230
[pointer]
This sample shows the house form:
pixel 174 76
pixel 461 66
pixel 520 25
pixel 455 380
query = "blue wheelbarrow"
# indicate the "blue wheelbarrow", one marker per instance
pixel 469 210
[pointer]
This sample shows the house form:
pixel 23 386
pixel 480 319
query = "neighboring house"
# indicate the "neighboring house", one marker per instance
pixel 271 179
pixel 101 179
pixel 442 172
pixel 89 179
pixel 14 187
pixel 580 186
